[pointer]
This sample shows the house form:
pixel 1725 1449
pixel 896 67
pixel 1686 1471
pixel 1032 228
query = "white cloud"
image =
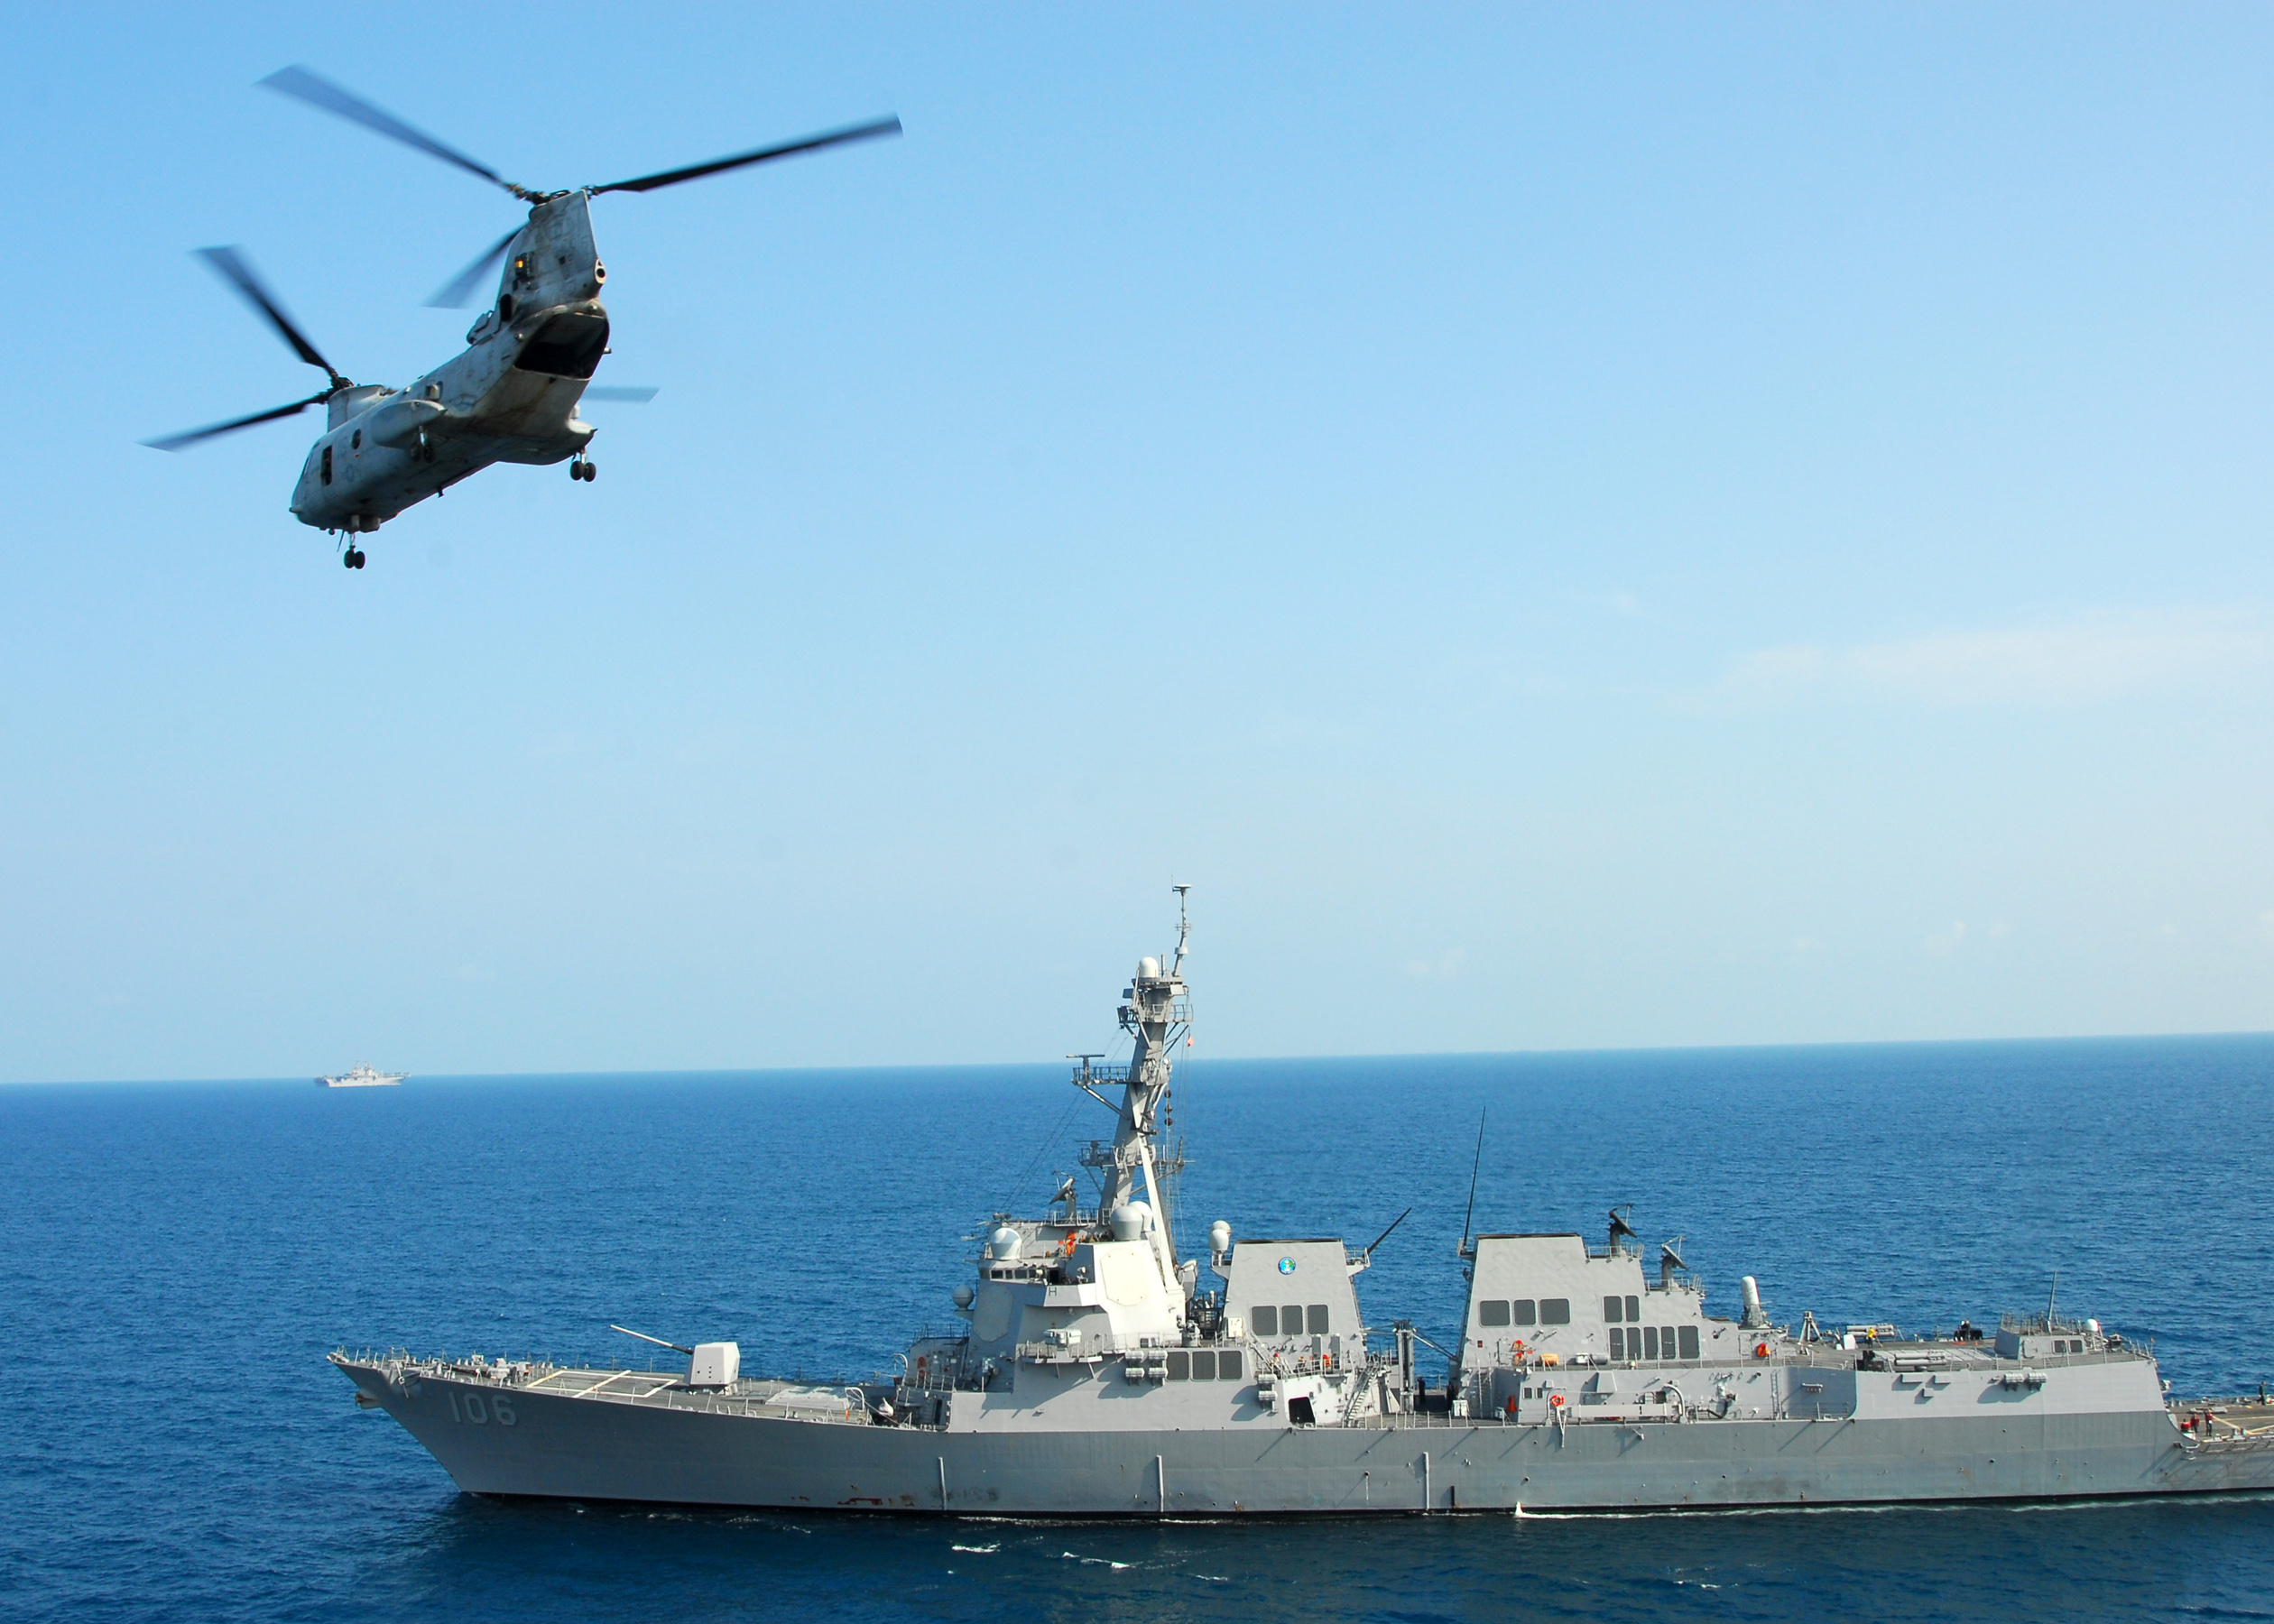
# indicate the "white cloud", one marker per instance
pixel 1443 969
pixel 2079 660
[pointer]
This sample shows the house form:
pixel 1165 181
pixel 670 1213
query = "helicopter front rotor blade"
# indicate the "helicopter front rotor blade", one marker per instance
pixel 789 149
pixel 175 442
pixel 454 294
pixel 231 267
pixel 319 92
pixel 636 394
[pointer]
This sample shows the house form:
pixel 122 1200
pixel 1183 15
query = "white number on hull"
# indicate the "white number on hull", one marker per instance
pixel 472 1408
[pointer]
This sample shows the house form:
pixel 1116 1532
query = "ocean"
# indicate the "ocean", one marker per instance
pixel 178 1258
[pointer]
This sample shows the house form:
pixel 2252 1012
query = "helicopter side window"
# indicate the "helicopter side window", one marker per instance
pixel 323 469
pixel 355 441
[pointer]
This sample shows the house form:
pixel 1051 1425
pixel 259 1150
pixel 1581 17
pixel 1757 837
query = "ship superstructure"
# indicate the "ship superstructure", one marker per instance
pixel 363 1076
pixel 1097 1373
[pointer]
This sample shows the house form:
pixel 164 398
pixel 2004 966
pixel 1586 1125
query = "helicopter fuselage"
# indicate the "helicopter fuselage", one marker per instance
pixel 510 396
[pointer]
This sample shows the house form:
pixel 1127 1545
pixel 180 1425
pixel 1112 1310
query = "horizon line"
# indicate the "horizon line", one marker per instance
pixel 929 1065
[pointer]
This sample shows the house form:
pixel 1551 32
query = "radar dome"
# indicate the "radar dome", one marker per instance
pixel 1003 1244
pixel 963 1297
pixel 1149 966
pixel 1130 1219
pixel 1219 1237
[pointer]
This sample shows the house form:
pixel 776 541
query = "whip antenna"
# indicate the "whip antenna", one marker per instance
pixel 1474 1167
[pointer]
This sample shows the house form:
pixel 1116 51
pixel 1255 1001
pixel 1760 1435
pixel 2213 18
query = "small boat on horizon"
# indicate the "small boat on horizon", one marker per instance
pixel 363 1076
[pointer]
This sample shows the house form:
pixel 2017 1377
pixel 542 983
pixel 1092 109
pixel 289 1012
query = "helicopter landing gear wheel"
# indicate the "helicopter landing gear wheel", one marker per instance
pixel 353 558
pixel 580 468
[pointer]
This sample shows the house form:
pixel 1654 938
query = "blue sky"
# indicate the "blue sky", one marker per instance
pixel 1570 527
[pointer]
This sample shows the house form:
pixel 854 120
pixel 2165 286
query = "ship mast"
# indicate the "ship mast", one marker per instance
pixel 1155 1013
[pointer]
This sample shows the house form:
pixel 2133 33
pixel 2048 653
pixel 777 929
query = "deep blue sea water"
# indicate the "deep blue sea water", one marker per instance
pixel 178 1258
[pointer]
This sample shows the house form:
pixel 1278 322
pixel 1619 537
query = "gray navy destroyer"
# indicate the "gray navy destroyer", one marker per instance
pixel 1096 1374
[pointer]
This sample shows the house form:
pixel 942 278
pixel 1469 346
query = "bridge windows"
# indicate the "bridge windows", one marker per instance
pixel 1271 1319
pixel 1654 1341
pixel 1516 1311
pixel 1554 1311
pixel 1204 1364
pixel 1492 1314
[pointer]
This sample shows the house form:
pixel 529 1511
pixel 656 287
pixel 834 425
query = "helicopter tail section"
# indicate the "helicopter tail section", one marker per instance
pixel 551 261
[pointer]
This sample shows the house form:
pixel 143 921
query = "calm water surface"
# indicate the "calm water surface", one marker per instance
pixel 178 1258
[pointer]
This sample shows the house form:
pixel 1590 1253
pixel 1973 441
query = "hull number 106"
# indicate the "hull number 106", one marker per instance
pixel 475 1409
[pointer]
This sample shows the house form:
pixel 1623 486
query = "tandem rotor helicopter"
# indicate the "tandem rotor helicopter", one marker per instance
pixel 512 396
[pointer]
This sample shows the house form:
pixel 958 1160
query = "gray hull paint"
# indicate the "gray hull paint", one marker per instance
pixel 567 1447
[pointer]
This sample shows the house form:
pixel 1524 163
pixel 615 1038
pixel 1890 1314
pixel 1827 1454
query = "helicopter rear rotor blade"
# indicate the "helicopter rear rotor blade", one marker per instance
pixel 455 293
pixel 634 393
pixel 317 91
pixel 176 442
pixel 788 149
pixel 231 267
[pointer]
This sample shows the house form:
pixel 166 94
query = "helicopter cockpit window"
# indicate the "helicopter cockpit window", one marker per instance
pixel 323 469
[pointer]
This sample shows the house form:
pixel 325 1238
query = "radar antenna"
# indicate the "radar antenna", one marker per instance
pixel 1619 1227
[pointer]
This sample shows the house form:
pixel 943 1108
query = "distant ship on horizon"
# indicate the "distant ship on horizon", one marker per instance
pixel 363 1076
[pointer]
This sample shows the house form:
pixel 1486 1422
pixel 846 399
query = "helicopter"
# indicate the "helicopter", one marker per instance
pixel 511 394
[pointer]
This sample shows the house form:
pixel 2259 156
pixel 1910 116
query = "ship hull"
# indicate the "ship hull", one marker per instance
pixel 567 1447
